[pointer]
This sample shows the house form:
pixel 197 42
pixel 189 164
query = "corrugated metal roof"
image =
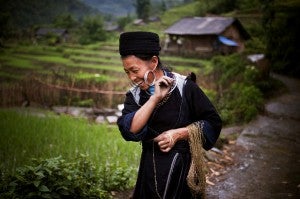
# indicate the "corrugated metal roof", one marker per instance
pixel 200 26
pixel 56 31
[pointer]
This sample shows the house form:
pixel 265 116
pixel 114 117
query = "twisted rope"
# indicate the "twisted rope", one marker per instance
pixel 196 176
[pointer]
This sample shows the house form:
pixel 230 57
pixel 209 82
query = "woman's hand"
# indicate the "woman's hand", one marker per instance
pixel 168 139
pixel 143 114
pixel 162 87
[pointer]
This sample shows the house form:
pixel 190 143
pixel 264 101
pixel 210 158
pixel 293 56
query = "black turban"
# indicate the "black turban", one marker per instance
pixel 139 43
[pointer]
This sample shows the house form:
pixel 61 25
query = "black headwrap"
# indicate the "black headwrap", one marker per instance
pixel 139 43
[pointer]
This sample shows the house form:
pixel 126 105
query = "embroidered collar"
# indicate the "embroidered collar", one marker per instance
pixel 179 81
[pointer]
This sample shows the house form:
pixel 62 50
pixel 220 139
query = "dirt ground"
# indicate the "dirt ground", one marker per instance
pixel 261 159
pixel 266 154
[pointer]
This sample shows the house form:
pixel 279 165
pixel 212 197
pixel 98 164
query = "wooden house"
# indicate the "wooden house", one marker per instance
pixel 61 35
pixel 205 36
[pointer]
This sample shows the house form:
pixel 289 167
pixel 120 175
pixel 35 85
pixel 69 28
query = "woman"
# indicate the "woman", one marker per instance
pixel 158 111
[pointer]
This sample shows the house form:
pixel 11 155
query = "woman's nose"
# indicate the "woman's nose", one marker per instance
pixel 132 77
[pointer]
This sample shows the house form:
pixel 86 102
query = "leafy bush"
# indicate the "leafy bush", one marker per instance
pixel 223 6
pixel 240 103
pixel 54 178
pixel 211 94
pixel 57 178
pixel 250 74
pixel 92 30
pixel 227 68
pixel 115 177
pixel 123 21
pixel 281 25
pixel 255 45
pixel 83 103
pixel 240 97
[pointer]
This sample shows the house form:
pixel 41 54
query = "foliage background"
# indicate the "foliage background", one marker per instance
pixel 237 87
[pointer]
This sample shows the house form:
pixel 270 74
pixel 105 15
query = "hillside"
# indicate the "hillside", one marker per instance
pixel 26 13
pixel 125 7
pixel 112 7
pixel 21 14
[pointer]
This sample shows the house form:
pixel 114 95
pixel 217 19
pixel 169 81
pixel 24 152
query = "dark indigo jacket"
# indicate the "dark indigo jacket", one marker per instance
pixel 178 112
pixel 163 175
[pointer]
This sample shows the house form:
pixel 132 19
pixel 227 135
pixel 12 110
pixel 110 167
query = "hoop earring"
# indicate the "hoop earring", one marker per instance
pixel 146 78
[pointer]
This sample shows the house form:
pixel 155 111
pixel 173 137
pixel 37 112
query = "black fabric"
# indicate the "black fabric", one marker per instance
pixel 146 187
pixel 192 76
pixel 175 113
pixel 139 43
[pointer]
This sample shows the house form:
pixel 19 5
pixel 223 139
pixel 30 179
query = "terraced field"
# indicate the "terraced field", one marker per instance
pixel 70 74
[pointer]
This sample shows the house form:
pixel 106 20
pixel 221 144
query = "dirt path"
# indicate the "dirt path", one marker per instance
pixel 268 160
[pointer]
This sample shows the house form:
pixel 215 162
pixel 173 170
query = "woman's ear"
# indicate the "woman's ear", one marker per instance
pixel 154 62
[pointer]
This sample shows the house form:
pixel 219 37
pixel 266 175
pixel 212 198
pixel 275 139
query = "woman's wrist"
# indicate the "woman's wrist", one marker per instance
pixel 180 134
pixel 154 99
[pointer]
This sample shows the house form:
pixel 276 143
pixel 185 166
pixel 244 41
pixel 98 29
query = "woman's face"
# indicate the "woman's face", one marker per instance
pixel 135 68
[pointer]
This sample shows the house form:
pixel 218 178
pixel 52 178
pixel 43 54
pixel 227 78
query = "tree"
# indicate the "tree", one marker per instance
pixel 65 21
pixel 92 30
pixel 281 23
pixel 6 28
pixel 123 21
pixel 163 6
pixel 143 9
pixel 216 6
pixel 248 4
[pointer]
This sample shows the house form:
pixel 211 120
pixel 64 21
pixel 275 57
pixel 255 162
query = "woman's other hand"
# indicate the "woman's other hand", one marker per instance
pixel 168 139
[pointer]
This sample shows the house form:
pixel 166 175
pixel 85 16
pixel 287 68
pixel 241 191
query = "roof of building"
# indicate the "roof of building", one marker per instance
pixel 205 26
pixel 56 31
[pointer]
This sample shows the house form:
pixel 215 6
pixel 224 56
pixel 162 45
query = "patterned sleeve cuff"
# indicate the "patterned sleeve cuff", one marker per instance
pixel 209 136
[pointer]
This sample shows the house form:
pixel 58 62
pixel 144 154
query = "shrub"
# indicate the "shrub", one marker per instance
pixel 228 68
pixel 92 30
pixel 115 177
pixel 251 74
pixel 211 94
pixel 241 103
pixel 84 103
pixel 240 97
pixel 57 178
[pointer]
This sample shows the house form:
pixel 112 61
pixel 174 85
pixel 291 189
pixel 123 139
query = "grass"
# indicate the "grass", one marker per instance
pixel 35 58
pixel 6 75
pixel 107 60
pixel 177 13
pixel 35 134
pixel 18 62
pixel 96 66
pixel 49 59
pixel 32 134
pixel 94 77
pixel 38 58
pixel 105 67
pixel 92 52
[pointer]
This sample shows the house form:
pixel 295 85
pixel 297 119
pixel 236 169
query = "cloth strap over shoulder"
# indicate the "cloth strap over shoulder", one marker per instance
pixel 180 82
